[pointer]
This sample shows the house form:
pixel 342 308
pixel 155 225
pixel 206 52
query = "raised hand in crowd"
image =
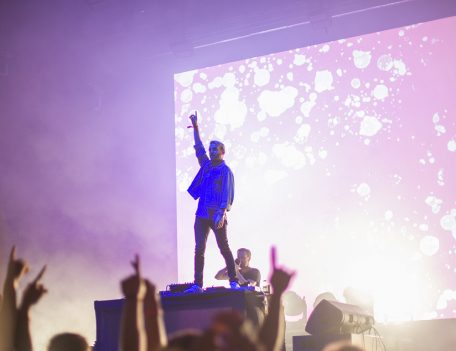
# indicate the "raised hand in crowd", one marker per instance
pixel 154 319
pixel 142 326
pixel 273 330
pixel 32 294
pixel 8 314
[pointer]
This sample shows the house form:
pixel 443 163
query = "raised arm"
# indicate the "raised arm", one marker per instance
pixel 133 334
pixel 32 294
pixel 153 318
pixel 8 315
pixel 196 134
pixel 272 331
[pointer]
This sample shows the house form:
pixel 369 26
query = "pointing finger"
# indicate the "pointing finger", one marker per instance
pixel 40 275
pixel 273 257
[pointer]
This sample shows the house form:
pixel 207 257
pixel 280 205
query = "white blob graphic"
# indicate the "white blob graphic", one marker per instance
pixel 231 111
pixel 229 80
pixel 440 129
pixel 216 83
pixel 199 88
pixel 261 116
pixel 385 62
pixel 380 92
pixel 262 77
pixel 302 134
pixel 274 103
pixel 299 60
pixel 451 145
pixel 399 67
pixel 370 126
pixel 185 79
pixel 361 58
pixel 306 107
pixel 363 190
pixel 448 222
pixel 355 83
pixel 186 96
pixel 322 154
pixel 325 48
pixel 289 155
pixel 323 81
pixel 435 118
pixel 220 131
pixel 429 245
pixel 434 202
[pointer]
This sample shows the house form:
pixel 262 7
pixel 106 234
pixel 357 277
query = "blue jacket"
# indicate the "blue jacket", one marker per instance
pixel 213 185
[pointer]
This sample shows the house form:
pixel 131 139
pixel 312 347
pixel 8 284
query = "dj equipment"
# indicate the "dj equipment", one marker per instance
pixel 177 287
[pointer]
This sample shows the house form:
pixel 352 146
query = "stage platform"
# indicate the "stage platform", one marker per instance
pixel 181 311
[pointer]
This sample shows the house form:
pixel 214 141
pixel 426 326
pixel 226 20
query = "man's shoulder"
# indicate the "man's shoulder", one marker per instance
pixel 253 270
pixel 226 167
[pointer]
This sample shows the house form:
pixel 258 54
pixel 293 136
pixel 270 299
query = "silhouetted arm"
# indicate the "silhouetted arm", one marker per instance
pixel 32 294
pixel 272 331
pixel 132 330
pixel 153 316
pixel 8 315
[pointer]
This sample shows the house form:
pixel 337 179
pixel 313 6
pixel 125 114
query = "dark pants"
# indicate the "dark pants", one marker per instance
pixel 202 228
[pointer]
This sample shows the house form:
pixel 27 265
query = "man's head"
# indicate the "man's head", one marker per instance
pixel 216 150
pixel 244 255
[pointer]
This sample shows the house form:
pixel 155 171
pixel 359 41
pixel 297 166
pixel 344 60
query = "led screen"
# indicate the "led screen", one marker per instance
pixel 344 157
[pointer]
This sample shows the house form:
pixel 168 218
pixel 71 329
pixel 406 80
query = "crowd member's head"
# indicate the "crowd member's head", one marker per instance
pixel 68 342
pixel 187 339
pixel 231 331
pixel 243 257
pixel 342 346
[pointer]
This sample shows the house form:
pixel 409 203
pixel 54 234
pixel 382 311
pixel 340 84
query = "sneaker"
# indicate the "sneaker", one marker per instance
pixel 234 285
pixel 194 289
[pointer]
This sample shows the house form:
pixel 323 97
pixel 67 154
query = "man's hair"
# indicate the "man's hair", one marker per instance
pixel 247 251
pixel 219 143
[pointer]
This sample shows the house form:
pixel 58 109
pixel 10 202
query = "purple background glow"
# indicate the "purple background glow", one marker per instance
pixel 87 132
pixel 343 155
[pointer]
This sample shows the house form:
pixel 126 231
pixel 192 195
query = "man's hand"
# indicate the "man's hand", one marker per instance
pixel 280 278
pixel 219 220
pixel 194 119
pixel 34 291
pixel 134 286
pixel 16 267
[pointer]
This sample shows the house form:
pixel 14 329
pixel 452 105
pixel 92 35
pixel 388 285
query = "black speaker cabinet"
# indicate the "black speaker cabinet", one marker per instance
pixel 330 317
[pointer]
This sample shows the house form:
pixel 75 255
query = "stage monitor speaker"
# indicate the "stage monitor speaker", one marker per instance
pixel 330 317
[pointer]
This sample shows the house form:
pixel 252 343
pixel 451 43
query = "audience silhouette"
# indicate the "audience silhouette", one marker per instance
pixel 142 322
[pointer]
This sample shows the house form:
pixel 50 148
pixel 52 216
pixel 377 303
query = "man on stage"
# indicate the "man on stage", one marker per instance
pixel 214 186
pixel 247 276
